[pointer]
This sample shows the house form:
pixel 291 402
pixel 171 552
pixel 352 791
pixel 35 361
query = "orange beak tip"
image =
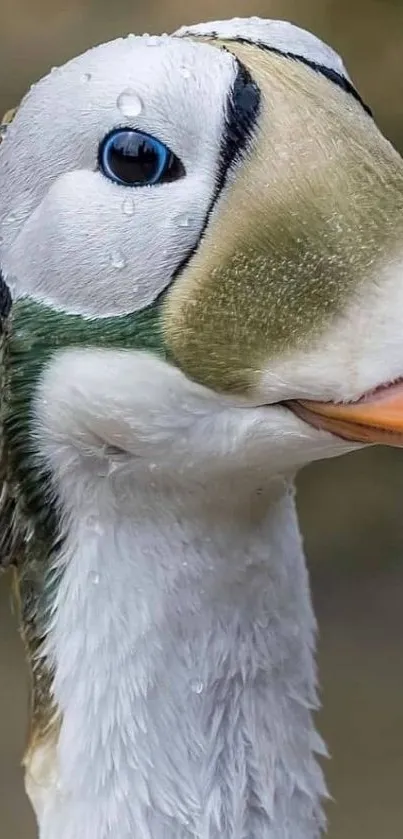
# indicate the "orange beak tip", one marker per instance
pixel 377 418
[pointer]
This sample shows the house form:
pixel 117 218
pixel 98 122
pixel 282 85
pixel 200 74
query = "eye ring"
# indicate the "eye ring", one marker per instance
pixel 133 158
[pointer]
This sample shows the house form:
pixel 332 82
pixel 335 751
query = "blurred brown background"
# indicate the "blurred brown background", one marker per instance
pixel 351 509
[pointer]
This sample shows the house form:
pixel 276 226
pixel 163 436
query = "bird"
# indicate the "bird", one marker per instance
pixel 201 293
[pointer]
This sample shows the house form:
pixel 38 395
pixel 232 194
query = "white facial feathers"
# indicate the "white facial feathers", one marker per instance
pixel 81 243
pixel 70 238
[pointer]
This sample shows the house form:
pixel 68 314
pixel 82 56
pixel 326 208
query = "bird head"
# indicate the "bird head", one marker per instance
pixel 221 204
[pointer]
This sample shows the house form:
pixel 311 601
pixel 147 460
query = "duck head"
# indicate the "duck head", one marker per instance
pixel 223 200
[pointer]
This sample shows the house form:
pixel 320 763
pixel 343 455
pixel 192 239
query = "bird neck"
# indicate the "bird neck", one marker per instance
pixel 182 645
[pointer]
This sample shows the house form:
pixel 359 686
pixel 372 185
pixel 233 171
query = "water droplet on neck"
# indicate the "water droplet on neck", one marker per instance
pixel 86 77
pixel 95 578
pixel 95 525
pixel 53 69
pixel 128 207
pixel 153 41
pixel 129 103
pixel 113 467
pixel 29 533
pixel 196 686
pixel 118 260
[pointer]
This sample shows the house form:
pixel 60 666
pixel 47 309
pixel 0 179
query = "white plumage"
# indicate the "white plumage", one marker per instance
pixel 180 635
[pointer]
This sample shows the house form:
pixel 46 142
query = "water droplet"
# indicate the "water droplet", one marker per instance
pixel 129 103
pixel 184 220
pixel 128 207
pixel 118 260
pixel 185 72
pixel 152 466
pixel 196 686
pixel 131 35
pixel 29 533
pixel 86 77
pixel 95 525
pixel 95 578
pixel 53 69
pixel 153 41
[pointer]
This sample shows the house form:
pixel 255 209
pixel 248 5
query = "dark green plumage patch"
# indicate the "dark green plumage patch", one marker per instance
pixel 36 333
pixel 28 510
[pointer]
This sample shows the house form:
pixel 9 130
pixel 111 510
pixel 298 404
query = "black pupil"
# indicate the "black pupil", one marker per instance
pixel 133 158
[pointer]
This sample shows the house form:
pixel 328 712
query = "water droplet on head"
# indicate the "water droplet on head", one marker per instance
pixel 118 260
pixel 185 72
pixel 184 220
pixel 128 207
pixel 129 103
pixel 153 41
pixel 86 77
pixel 196 686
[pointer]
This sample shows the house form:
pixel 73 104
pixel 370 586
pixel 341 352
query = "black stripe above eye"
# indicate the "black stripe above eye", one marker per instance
pixel 328 72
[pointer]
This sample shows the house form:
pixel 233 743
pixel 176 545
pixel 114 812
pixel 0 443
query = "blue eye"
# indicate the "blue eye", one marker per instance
pixel 132 158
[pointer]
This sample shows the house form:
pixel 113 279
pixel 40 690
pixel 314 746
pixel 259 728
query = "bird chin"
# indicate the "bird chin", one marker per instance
pixel 377 417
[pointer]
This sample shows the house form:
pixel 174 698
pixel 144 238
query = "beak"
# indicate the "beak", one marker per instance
pixel 376 418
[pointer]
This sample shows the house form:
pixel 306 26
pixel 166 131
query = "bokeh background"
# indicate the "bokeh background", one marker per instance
pixel 351 509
